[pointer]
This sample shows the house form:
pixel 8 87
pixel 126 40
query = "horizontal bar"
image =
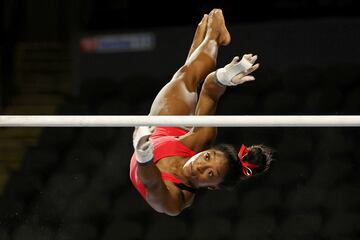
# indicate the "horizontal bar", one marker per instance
pixel 175 120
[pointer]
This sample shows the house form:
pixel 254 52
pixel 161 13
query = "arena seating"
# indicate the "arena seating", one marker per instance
pixel 74 183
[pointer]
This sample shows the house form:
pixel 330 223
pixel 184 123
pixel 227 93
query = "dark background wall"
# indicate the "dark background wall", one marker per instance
pixel 280 45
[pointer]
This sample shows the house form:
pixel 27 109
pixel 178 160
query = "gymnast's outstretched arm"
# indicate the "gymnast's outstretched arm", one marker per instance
pixel 214 86
pixel 199 138
pixel 164 197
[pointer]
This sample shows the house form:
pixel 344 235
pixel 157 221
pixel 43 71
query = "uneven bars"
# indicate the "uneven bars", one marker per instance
pixel 175 120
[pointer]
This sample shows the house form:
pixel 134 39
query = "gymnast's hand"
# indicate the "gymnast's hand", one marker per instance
pixel 237 72
pixel 142 145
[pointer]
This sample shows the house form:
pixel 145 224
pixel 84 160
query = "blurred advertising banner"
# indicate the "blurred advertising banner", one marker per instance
pixel 117 43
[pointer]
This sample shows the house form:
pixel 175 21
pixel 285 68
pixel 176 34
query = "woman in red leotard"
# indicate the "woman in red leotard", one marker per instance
pixel 170 163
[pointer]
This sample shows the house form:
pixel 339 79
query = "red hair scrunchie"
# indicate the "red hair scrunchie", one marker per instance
pixel 246 166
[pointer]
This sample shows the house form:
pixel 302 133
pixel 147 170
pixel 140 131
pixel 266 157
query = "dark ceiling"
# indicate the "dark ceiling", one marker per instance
pixel 113 14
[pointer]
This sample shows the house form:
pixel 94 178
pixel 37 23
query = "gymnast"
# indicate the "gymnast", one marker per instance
pixel 169 164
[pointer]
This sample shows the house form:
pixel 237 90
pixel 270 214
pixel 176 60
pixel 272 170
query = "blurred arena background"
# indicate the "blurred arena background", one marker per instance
pixel 112 57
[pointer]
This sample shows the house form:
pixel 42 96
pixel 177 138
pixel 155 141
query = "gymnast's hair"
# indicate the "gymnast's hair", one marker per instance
pixel 260 155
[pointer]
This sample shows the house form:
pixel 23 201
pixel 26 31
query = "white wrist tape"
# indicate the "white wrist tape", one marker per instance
pixel 145 153
pixel 224 76
pixel 142 145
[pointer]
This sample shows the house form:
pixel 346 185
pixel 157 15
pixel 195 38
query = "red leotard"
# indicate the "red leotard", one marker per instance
pixel 166 144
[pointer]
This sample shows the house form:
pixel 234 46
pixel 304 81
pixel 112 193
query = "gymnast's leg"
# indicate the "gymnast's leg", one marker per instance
pixel 179 96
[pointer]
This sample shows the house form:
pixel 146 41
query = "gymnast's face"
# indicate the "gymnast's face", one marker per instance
pixel 206 169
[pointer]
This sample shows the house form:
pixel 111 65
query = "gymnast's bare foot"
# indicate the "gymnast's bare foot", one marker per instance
pixel 216 26
pixel 201 30
pixel 199 34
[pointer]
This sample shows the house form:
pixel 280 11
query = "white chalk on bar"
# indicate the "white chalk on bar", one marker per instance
pixel 175 120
